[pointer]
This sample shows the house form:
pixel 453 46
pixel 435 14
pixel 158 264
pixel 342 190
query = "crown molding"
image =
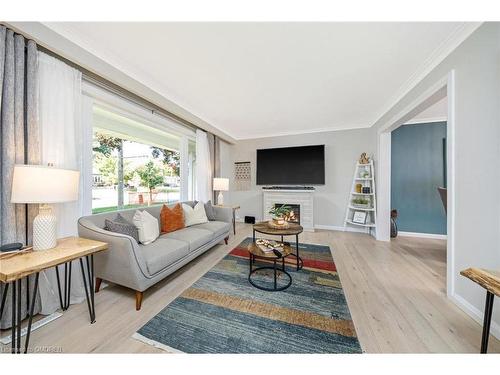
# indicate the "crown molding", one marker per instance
pixel 459 35
pixel 62 41
pixel 426 120
pixel 298 132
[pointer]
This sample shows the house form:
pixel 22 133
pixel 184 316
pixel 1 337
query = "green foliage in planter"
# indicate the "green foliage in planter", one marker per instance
pixel 280 211
pixel 361 201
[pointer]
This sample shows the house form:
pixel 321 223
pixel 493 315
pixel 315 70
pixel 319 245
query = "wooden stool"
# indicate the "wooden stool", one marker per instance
pixel 489 280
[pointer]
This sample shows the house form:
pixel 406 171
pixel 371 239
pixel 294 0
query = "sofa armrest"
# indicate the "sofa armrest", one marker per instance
pixel 224 214
pixel 122 263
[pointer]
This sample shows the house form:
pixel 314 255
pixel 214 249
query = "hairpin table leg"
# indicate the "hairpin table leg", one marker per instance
pixel 14 322
pixel 89 290
pixel 4 299
pixel 488 309
pixel 31 312
pixel 65 300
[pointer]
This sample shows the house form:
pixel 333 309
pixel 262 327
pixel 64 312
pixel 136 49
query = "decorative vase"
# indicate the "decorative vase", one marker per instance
pixel 394 225
pixel 44 229
pixel 279 220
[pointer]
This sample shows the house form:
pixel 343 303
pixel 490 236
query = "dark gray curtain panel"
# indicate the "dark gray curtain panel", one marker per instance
pixel 214 149
pixel 20 142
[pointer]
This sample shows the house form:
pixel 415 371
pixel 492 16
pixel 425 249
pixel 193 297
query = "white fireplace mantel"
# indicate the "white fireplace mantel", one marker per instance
pixel 303 198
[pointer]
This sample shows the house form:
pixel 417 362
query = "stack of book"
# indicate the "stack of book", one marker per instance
pixel 268 246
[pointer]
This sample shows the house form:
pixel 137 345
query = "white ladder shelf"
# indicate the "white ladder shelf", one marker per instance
pixel 364 174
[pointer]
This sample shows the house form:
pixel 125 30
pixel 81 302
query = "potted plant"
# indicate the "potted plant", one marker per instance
pixel 361 202
pixel 278 213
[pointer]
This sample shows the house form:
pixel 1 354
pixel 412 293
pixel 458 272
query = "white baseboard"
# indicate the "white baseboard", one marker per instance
pixel 38 324
pixel 340 228
pixel 475 314
pixel 328 227
pixel 423 235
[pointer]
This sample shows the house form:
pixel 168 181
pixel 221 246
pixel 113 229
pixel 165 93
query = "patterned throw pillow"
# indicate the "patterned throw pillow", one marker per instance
pixel 171 219
pixel 122 226
pixel 210 211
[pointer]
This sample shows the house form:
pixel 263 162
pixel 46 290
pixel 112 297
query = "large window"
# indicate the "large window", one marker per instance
pixel 135 164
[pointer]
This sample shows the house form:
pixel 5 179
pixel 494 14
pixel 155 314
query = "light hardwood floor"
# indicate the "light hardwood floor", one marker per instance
pixel 395 291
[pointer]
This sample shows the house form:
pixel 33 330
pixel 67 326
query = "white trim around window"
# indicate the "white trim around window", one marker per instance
pixel 134 111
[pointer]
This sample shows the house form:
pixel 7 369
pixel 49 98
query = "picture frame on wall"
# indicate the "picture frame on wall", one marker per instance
pixel 359 217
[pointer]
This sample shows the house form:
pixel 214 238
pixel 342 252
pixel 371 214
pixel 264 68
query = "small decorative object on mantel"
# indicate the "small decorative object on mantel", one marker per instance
pixel 279 214
pixel 364 159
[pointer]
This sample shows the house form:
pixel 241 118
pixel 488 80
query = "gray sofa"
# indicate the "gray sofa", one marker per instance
pixel 138 266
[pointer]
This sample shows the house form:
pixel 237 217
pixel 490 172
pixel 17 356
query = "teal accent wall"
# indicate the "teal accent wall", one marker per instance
pixel 418 167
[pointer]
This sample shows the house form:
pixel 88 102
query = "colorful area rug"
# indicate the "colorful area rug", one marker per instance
pixel 223 313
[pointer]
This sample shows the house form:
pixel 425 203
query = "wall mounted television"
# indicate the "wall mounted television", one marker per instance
pixel 291 165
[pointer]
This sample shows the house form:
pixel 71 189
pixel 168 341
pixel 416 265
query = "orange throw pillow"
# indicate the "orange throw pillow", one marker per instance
pixel 171 219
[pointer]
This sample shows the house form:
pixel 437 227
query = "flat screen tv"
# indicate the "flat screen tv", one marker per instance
pixel 291 165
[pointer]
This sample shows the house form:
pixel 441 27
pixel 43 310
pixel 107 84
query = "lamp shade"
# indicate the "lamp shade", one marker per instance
pixel 41 184
pixel 221 184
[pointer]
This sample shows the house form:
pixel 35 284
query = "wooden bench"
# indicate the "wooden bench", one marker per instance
pixel 489 280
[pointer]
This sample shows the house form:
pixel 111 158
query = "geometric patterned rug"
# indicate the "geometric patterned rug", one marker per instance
pixel 223 313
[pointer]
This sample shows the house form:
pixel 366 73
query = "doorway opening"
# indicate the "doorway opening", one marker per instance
pixel 416 173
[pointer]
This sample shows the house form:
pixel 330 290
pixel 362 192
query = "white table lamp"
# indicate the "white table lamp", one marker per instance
pixel 220 185
pixel 44 185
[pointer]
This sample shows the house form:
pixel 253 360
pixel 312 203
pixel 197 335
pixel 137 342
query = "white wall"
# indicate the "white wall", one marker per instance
pixel 436 112
pixel 342 149
pixel 477 150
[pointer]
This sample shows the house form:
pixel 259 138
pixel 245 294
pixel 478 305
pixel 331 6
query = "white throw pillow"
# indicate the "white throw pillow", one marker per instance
pixel 196 215
pixel 147 225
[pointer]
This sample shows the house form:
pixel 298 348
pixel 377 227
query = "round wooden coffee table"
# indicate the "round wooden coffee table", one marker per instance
pixel 256 252
pixel 293 229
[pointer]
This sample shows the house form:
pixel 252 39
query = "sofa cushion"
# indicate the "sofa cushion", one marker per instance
pixel 147 226
pixel 171 219
pixel 163 252
pixel 209 210
pixel 123 226
pixel 194 215
pixel 218 228
pixel 194 236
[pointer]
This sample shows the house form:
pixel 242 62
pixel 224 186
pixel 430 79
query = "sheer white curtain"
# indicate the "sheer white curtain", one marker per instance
pixel 203 168
pixel 63 143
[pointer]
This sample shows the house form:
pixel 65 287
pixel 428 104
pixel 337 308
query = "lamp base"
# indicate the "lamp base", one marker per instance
pixel 44 229
pixel 220 199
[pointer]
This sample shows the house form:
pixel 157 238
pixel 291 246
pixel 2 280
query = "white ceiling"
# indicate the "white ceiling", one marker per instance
pixel 261 79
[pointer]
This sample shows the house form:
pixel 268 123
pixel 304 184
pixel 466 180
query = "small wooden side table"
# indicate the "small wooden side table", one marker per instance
pixel 293 229
pixel 234 208
pixel 15 266
pixel 489 280
pixel 256 252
